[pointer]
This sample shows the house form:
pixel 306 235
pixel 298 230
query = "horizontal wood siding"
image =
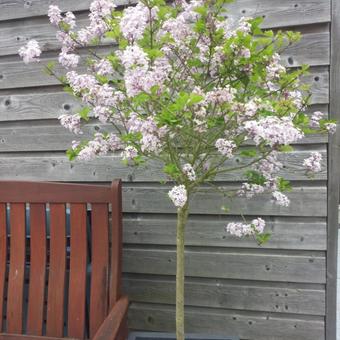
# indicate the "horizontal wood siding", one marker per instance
pixel 233 287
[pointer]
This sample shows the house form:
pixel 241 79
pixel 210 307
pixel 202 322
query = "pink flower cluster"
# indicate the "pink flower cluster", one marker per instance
pixel 273 131
pixel 240 229
pixel 178 195
pixel 100 146
pixel 313 163
pixel 189 172
pixel 225 147
pixel 31 52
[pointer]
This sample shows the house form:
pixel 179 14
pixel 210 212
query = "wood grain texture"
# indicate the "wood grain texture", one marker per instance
pixel 53 137
pixel 42 192
pixel 312 49
pixel 36 105
pixel 99 296
pixel 228 294
pixel 333 180
pixel 37 280
pixel 3 260
pixel 57 271
pixel 15 297
pixel 46 104
pixel 59 168
pixel 154 200
pixel 304 234
pixel 255 266
pixel 246 325
pixel 277 13
pixel 77 282
pixel 15 75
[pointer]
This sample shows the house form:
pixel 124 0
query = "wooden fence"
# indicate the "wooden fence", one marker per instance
pixel 233 287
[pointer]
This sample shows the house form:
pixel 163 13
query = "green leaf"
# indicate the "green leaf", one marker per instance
pixel 284 185
pixel 84 113
pixel 71 154
pixel 263 238
pixel 255 177
pixel 171 169
pixel 286 148
pixel 248 153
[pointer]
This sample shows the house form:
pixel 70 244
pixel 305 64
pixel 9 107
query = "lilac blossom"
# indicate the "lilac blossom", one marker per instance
pixel 225 147
pixel 249 190
pixel 134 21
pixel 273 131
pixel 178 195
pixel 129 153
pixel 330 127
pixel 31 52
pixel 189 172
pixel 280 199
pixel 240 229
pixel 104 67
pixel 70 19
pixel 54 14
pixel 315 119
pixel 68 60
pixel 313 163
pixel 71 122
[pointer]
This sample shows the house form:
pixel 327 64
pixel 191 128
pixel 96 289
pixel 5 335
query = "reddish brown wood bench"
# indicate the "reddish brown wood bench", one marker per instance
pixel 61 277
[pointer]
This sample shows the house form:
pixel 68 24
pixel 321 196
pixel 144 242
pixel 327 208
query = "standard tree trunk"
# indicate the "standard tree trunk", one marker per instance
pixel 182 216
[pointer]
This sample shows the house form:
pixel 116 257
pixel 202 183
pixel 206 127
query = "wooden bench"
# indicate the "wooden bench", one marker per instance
pixel 60 277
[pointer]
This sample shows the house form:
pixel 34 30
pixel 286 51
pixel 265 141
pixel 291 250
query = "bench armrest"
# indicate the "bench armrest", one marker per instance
pixel 112 327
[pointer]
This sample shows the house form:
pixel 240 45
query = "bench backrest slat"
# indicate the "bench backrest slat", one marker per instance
pixel 37 276
pixel 60 263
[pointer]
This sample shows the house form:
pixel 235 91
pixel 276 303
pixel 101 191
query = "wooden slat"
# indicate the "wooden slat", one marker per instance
pixel 116 242
pixel 304 234
pixel 50 104
pixel 36 105
pixel 278 13
pixel 77 282
pixel 246 325
pixel 3 259
pixel 27 337
pixel 255 266
pixel 312 49
pixel 332 305
pixel 58 168
pixel 229 294
pixel 15 296
pixel 57 271
pixel 41 192
pixel 35 317
pixel 99 298
pixel 53 137
pixel 154 199
pixel 31 75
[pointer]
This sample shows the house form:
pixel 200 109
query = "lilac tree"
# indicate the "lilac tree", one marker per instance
pixel 190 89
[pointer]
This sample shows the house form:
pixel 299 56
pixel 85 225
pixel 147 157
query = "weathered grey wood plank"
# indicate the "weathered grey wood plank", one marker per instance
pixel 39 104
pixel 305 201
pixel 254 326
pixel 239 295
pixel 51 136
pixel 313 49
pixel 101 169
pixel 15 74
pixel 277 13
pixel 333 180
pixel 36 105
pixel 209 231
pixel 229 265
